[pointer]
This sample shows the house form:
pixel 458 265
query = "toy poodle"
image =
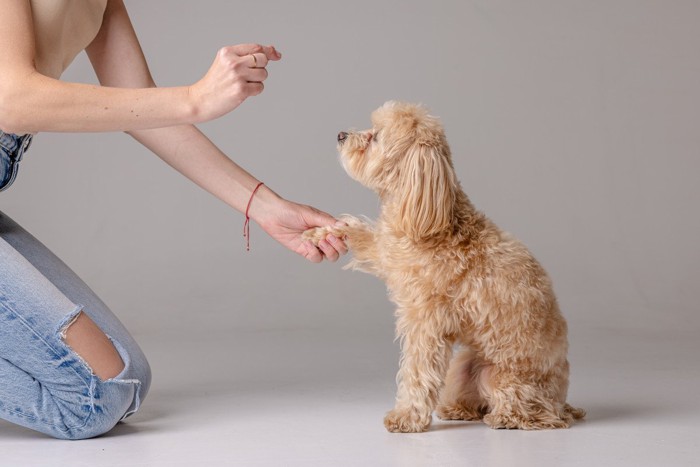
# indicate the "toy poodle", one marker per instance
pixel 458 281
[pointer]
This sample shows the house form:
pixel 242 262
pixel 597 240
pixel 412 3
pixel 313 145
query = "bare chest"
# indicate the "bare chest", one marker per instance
pixel 63 28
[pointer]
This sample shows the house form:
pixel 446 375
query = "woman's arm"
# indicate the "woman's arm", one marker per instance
pixel 118 61
pixel 31 102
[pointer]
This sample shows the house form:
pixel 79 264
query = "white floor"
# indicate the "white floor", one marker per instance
pixel 305 398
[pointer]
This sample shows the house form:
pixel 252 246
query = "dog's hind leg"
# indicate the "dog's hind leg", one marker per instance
pixel 528 400
pixel 460 399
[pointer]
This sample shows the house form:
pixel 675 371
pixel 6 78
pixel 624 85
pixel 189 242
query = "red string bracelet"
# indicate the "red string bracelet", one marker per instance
pixel 246 224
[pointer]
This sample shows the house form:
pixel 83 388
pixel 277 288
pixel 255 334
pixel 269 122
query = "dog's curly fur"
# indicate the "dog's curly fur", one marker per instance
pixel 456 278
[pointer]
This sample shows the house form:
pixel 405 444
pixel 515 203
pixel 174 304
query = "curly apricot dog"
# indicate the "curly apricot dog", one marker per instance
pixel 456 278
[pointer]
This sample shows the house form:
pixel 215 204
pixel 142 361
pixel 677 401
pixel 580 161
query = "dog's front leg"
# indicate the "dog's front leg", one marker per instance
pixel 425 356
pixel 359 236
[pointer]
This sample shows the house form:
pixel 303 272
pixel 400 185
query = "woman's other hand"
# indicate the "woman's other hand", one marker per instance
pixel 237 73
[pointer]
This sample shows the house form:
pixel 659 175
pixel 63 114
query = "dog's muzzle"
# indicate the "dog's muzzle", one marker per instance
pixel 342 136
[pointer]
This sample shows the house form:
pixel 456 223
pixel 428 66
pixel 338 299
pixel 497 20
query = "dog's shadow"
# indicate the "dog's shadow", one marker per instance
pixel 623 412
pixel 595 414
pixel 443 425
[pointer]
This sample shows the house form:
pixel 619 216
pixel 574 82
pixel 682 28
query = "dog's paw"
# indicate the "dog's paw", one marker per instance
pixel 339 230
pixel 316 234
pixel 459 412
pixel 406 421
pixel 515 421
pixel 353 222
pixel 575 412
pixel 342 229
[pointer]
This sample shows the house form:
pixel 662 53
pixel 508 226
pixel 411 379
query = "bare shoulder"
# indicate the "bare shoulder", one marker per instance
pixel 17 43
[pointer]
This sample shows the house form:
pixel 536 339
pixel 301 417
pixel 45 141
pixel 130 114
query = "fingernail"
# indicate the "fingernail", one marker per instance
pixel 340 224
pixel 332 239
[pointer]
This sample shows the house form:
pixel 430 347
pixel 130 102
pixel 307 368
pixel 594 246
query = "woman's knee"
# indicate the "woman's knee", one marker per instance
pixel 86 339
pixel 114 395
pixel 111 401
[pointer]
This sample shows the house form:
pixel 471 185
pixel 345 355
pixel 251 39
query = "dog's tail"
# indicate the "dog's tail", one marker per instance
pixel 575 412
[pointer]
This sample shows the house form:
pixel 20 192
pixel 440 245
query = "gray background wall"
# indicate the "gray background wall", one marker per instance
pixel 574 125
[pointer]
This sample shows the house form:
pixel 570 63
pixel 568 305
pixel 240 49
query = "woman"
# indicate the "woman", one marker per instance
pixel 68 367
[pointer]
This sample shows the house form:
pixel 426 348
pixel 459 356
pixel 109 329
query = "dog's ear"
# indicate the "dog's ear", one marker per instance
pixel 427 191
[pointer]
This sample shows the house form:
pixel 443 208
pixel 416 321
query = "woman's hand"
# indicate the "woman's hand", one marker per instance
pixel 285 221
pixel 237 73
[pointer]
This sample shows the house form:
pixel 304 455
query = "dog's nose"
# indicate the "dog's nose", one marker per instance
pixel 342 136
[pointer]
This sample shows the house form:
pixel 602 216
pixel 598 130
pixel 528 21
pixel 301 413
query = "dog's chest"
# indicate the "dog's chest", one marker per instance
pixel 443 276
pixel 411 272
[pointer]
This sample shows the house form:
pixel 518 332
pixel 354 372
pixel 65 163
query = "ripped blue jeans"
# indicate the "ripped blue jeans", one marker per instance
pixel 44 384
pixel 12 148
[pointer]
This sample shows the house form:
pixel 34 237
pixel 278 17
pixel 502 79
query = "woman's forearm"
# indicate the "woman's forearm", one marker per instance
pixel 39 103
pixel 192 154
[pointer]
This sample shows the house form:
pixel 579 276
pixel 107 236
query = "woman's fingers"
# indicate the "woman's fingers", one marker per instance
pixel 328 251
pixel 237 73
pixel 331 247
pixel 255 71
pixel 272 53
pixel 253 88
pixel 338 244
pixel 255 75
pixel 247 49
pixel 257 60
pixel 313 254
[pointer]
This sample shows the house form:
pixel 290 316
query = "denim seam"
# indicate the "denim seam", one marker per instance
pixel 24 415
pixel 9 151
pixel 7 306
